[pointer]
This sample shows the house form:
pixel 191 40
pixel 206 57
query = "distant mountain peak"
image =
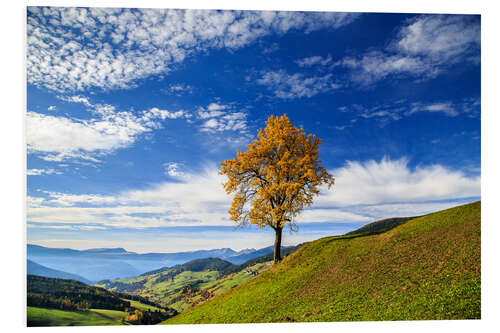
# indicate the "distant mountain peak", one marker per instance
pixel 246 251
pixel 108 250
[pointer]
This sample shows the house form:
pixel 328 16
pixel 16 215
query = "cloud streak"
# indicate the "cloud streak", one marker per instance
pixel 383 113
pixel 363 192
pixel 315 61
pixel 39 172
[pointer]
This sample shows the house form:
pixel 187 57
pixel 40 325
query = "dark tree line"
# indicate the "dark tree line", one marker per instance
pixel 62 303
pixel 75 296
pixel 59 291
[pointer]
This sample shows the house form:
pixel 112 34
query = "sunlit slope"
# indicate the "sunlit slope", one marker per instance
pixel 178 289
pixel 53 317
pixel 426 268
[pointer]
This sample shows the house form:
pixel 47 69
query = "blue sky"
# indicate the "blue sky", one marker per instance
pixel 130 111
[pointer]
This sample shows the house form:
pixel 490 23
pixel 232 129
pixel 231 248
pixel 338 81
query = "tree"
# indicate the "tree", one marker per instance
pixel 275 178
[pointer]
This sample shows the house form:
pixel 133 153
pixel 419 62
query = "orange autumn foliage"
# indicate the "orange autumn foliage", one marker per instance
pixel 276 177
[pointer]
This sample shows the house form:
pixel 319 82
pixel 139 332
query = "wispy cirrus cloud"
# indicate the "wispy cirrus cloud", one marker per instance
pixel 39 172
pixel 297 85
pixel 67 200
pixel 377 65
pixel 81 48
pixel 442 38
pixel 421 49
pixel 315 61
pixel 386 112
pixel 447 108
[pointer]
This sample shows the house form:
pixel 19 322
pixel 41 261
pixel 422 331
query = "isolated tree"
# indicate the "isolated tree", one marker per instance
pixel 275 178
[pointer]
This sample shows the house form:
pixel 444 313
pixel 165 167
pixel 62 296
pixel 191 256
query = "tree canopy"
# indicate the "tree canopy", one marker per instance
pixel 276 178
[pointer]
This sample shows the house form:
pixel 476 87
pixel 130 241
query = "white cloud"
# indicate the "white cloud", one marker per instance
pixel 179 89
pixel 220 118
pixel 470 107
pixel 172 170
pixel 381 211
pixel 440 37
pixel 446 108
pixel 51 108
pixel 155 113
pixel 58 138
pixel 39 172
pixel 80 157
pixel 376 65
pixel 69 138
pixel 211 111
pixel 216 107
pixel 315 60
pixel 268 49
pixel 80 48
pixel 76 99
pixel 392 181
pixel 68 227
pixel 67 200
pixel 33 202
pixel 422 48
pixel 363 192
pixel 290 86
pixel 331 215
pixel 229 122
pixel 198 199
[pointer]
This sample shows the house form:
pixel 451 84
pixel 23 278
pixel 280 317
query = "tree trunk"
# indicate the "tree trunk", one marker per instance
pixel 277 246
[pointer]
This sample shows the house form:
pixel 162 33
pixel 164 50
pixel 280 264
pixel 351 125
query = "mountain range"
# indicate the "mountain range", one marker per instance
pixel 33 268
pixel 111 263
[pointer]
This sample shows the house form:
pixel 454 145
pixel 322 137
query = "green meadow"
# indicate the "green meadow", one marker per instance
pixel 92 317
pixel 186 289
pixel 424 269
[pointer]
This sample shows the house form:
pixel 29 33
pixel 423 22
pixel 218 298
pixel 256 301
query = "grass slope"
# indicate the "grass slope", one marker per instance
pixel 53 317
pixel 60 302
pixel 181 290
pixel 427 268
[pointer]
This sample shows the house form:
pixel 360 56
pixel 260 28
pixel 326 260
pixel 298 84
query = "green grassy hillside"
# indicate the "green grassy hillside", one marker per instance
pixel 54 317
pixel 60 302
pixel 427 268
pixel 183 286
